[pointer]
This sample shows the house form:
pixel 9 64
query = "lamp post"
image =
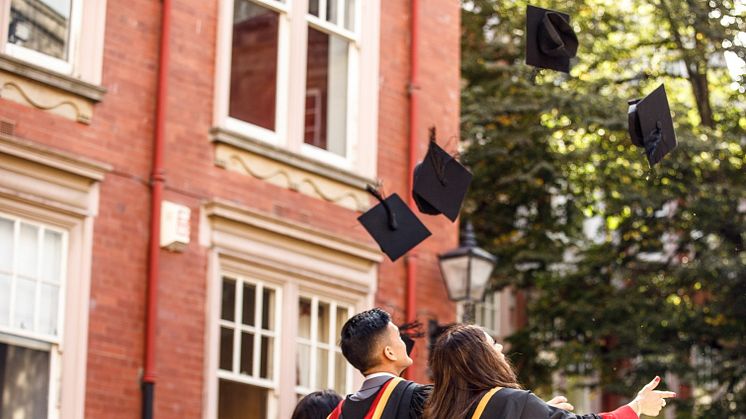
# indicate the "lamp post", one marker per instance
pixel 466 271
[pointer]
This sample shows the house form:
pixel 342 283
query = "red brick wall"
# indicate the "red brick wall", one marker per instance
pixel 121 134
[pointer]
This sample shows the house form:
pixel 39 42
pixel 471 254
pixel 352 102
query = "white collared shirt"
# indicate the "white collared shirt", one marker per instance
pixel 379 374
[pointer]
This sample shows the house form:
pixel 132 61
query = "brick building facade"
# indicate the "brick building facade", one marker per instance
pixel 277 115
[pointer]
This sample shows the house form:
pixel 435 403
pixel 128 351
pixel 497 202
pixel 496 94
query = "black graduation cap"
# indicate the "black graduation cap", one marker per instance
pixel 409 332
pixel 651 125
pixel 393 225
pixel 550 39
pixel 440 182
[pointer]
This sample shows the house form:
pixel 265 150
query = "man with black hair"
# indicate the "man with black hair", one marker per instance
pixel 373 345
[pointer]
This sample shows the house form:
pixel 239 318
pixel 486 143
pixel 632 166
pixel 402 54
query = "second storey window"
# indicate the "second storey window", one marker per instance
pixel 43 32
pixel 301 75
pixel 253 90
pixel 64 37
pixel 330 49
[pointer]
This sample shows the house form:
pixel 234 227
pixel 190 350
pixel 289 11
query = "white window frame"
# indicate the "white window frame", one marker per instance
pixel 313 343
pixel 84 46
pixel 362 83
pixel 279 135
pixel 256 330
pixel 31 339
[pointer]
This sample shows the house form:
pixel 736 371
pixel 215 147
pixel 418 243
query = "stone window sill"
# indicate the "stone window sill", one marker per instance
pixel 62 82
pixel 285 157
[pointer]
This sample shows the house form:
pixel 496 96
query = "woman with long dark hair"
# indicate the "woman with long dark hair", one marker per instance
pixel 472 380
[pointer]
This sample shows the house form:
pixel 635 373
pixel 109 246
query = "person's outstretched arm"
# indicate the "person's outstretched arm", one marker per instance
pixel 648 401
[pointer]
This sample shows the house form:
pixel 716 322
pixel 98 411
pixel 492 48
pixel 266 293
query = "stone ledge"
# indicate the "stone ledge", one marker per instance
pixel 50 78
pixel 290 171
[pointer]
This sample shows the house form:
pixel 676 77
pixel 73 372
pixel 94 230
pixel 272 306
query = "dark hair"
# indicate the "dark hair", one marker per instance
pixel 464 366
pixel 359 336
pixel 316 405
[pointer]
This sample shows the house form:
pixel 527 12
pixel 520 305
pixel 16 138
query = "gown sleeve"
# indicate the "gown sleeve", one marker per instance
pixel 535 408
pixel 419 397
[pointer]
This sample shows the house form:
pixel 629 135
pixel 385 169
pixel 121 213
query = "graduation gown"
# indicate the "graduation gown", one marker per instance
pixel 508 403
pixel 384 398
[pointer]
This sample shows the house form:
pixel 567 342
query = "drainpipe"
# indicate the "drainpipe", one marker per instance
pixel 157 180
pixel 411 303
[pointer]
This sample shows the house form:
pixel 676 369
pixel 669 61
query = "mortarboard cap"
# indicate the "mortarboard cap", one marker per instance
pixel 440 182
pixel 651 125
pixel 409 332
pixel 393 225
pixel 550 39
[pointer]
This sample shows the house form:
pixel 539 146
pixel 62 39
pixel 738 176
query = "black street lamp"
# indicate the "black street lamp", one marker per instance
pixel 466 271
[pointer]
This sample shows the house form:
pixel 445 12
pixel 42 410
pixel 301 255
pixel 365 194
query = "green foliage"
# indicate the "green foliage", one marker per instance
pixel 661 287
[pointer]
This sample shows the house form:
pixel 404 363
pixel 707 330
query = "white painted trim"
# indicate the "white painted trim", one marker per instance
pixel 40 59
pixel 274 5
pixel 330 28
pixel 90 54
pixel 4 22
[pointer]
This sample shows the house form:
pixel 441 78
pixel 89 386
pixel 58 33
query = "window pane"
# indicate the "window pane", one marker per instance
pixel 331 11
pixel 247 353
pixel 241 401
pixel 254 64
pixel 303 366
pixel 313 7
pixel 226 349
pixel 267 357
pixel 340 374
pixel 304 318
pixel 51 265
pixel 326 94
pixel 228 305
pixel 41 25
pixel 249 304
pixel 24 304
pixel 323 323
pixel 322 368
pixel 4 299
pixel 24 382
pixel 350 11
pixel 6 245
pixel 28 250
pixel 268 309
pixel 48 305
pixel 342 315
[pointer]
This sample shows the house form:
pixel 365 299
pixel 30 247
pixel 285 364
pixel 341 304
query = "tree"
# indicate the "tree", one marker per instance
pixel 661 287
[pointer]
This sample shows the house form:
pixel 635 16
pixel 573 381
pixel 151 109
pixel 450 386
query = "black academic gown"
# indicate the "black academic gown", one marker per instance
pixel 407 400
pixel 510 403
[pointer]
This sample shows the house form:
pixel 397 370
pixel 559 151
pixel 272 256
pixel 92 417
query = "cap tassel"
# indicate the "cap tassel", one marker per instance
pixel 393 225
pixel 653 139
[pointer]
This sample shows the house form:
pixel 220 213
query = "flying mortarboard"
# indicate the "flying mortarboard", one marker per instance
pixel 393 225
pixel 651 125
pixel 440 182
pixel 550 39
pixel 409 332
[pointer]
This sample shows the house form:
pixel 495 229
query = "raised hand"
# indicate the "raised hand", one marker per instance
pixel 650 401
